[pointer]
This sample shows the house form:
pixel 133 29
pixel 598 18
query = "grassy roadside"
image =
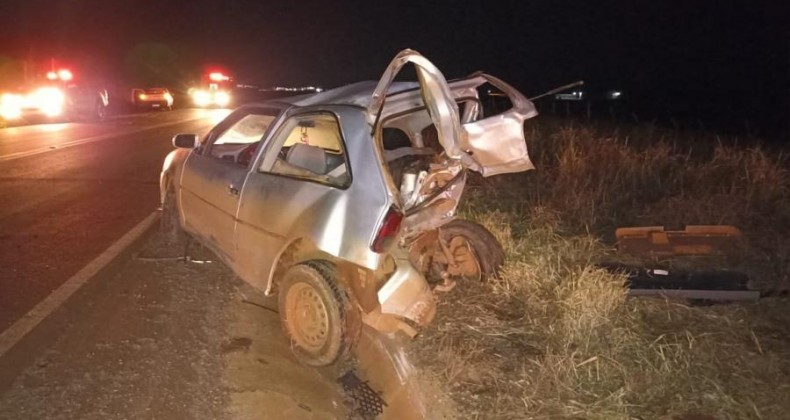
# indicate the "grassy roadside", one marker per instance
pixel 555 337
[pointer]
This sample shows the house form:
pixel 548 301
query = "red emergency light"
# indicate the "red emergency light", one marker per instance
pixel 218 77
pixel 62 74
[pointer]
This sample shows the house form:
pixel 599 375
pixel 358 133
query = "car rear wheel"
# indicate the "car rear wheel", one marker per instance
pixel 317 314
pixel 476 253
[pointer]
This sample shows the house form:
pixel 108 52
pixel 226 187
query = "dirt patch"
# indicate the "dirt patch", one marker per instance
pixel 264 379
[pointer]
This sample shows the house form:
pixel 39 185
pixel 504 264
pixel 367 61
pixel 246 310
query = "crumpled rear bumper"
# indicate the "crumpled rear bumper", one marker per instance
pixel 407 294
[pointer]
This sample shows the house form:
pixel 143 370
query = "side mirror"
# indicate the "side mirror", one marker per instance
pixel 186 141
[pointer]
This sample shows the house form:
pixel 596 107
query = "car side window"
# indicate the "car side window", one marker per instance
pixel 310 147
pixel 239 142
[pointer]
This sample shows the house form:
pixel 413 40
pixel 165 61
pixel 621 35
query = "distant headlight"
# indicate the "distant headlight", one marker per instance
pixel 49 100
pixel 201 98
pixel 222 98
pixel 11 106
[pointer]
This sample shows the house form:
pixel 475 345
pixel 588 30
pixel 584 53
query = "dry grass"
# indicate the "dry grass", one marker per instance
pixel 555 337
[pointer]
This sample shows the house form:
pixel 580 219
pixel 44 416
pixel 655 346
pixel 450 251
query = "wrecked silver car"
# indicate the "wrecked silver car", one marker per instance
pixel 343 202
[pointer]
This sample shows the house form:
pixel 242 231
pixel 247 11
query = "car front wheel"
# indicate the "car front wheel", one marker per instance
pixel 317 314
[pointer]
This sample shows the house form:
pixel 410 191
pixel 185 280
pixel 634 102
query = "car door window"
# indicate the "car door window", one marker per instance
pixel 310 147
pixel 239 142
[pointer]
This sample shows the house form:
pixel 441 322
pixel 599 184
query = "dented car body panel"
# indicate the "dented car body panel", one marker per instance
pixel 314 177
pixel 280 210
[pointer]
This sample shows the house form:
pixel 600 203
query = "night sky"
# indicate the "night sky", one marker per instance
pixel 714 59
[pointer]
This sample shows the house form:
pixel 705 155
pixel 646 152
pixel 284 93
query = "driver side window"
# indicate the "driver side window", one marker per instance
pixel 239 142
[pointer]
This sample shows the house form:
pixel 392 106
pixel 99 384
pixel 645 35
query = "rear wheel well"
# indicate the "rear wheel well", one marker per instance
pixel 297 251
pixel 359 282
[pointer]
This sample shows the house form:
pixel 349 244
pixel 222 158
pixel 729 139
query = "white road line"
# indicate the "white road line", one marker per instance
pixel 10 337
pixel 45 149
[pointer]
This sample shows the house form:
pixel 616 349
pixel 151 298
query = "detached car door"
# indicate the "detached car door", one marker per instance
pixel 496 143
pixel 491 146
pixel 213 177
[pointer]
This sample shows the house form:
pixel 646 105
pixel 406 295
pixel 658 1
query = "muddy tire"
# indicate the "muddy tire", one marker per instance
pixel 473 241
pixel 317 314
pixel 170 225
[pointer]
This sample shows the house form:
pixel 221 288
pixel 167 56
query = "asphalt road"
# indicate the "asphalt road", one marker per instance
pixel 69 190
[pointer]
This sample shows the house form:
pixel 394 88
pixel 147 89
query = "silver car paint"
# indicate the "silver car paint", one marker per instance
pixel 277 210
pixel 252 230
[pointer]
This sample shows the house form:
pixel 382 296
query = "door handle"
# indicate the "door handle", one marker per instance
pixel 233 190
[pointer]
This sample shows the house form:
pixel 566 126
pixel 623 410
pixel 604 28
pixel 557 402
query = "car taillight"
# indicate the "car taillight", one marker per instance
pixel 388 230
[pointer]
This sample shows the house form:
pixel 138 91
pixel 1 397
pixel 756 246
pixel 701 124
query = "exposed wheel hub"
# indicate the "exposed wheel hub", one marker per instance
pixel 464 262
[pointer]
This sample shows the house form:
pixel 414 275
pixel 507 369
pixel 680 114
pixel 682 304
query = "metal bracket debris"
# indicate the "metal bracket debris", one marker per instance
pixel 713 285
pixel 655 241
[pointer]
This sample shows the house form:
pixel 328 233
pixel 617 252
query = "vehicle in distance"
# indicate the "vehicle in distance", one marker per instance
pixel 212 97
pixel 343 202
pixel 156 98
pixel 57 97
pixel 214 91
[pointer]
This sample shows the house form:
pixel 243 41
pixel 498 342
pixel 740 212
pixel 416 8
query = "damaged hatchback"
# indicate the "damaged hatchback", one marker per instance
pixel 343 202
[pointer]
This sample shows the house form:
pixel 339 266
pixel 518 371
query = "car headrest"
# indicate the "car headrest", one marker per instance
pixel 308 157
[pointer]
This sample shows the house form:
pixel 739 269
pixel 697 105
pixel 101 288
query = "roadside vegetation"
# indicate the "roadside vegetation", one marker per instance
pixel 556 337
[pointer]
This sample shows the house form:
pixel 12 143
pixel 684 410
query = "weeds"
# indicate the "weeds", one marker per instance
pixel 555 337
